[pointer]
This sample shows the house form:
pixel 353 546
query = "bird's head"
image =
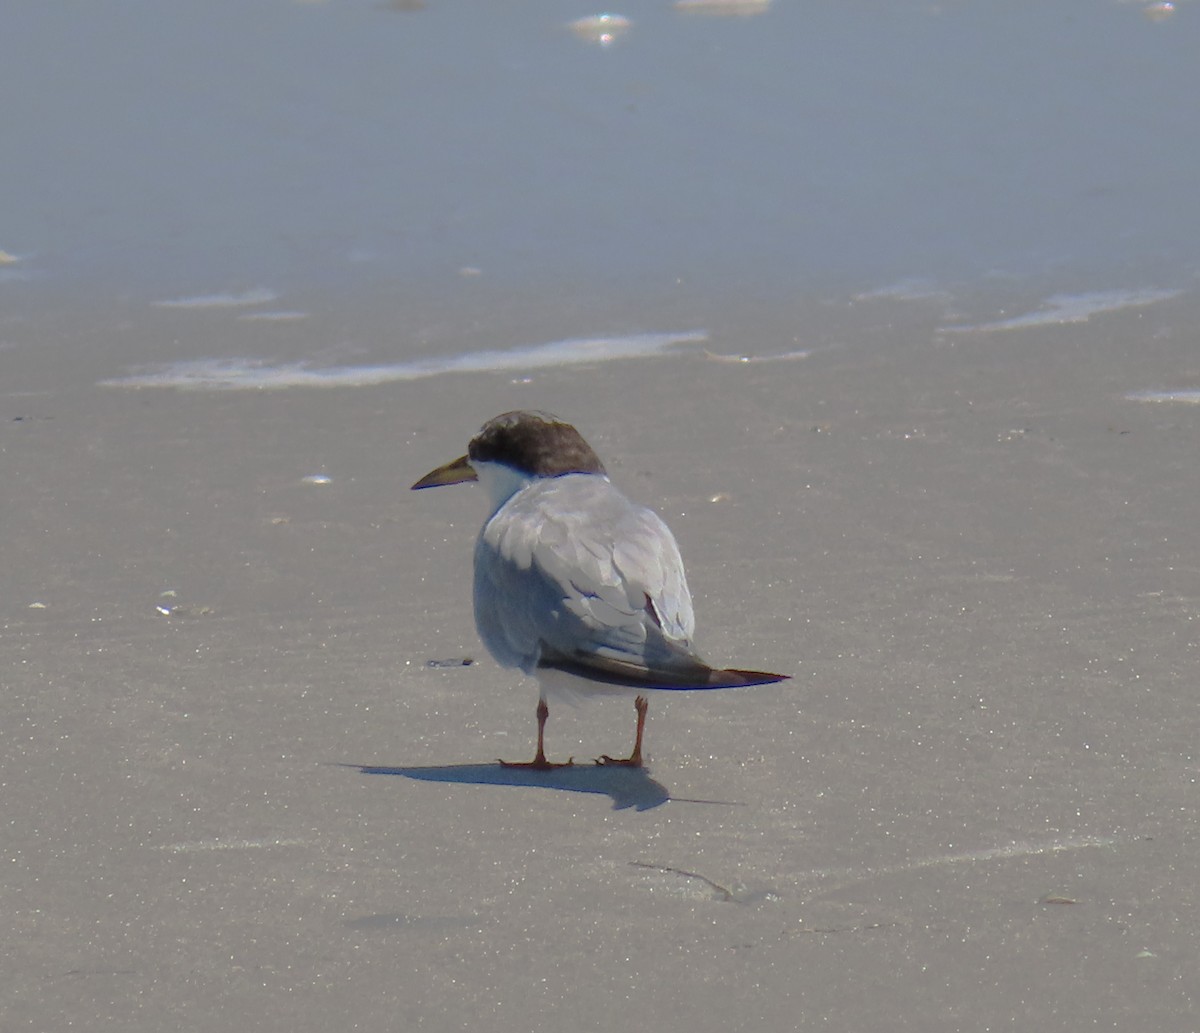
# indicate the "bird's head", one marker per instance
pixel 514 449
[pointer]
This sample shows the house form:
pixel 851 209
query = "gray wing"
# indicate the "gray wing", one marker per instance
pixel 570 573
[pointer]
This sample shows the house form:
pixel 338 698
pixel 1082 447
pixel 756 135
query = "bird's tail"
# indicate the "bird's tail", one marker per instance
pixel 680 673
pixel 734 679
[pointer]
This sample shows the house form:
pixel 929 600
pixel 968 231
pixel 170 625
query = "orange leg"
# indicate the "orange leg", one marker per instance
pixel 634 760
pixel 539 762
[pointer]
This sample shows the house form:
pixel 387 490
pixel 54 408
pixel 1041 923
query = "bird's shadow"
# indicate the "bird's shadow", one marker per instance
pixel 625 786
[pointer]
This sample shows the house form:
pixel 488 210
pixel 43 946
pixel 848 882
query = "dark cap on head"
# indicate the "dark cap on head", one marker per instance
pixel 534 443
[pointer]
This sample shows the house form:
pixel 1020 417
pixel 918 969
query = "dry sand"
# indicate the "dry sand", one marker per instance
pixel 973 808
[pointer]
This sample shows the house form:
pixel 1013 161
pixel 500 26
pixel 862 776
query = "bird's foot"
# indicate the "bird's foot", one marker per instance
pixel 620 762
pixel 634 760
pixel 539 763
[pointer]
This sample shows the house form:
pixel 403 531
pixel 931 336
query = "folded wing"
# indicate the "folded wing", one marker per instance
pixel 569 574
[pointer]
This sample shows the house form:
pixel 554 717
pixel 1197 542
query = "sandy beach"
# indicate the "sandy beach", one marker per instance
pixel 889 310
pixel 238 794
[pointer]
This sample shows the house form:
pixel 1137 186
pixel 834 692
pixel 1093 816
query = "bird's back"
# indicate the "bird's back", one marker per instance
pixel 569 571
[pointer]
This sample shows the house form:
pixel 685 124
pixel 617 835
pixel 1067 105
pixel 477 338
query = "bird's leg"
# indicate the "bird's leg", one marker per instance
pixel 634 760
pixel 539 762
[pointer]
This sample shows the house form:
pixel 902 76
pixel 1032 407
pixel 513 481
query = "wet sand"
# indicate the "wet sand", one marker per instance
pixel 237 795
pixel 951 490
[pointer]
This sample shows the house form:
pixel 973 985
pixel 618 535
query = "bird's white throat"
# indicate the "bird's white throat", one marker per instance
pixel 500 481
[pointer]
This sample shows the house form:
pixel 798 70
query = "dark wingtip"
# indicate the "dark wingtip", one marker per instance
pixel 683 677
pixel 732 679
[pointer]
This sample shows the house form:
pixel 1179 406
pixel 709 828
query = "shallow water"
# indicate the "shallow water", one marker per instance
pixel 262 146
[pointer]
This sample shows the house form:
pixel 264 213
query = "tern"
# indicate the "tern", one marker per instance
pixel 574 584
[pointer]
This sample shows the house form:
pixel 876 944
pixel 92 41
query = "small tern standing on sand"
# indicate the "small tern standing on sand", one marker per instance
pixel 575 584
